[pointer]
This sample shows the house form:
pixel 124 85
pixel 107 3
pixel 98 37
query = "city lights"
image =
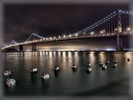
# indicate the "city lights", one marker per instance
pixel 92 33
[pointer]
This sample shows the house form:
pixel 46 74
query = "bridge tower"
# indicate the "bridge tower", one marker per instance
pixel 33 44
pixel 119 28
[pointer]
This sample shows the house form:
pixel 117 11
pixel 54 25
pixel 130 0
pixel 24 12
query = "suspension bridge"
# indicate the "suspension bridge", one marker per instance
pixel 116 24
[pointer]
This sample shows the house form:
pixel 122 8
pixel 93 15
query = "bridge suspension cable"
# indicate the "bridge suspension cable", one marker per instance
pixel 34 35
pixel 12 42
pixel 108 24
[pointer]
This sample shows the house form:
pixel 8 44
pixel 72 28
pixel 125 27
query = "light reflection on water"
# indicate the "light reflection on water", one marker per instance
pixel 67 82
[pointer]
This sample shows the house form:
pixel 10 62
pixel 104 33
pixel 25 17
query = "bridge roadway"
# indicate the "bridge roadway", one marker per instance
pixel 77 43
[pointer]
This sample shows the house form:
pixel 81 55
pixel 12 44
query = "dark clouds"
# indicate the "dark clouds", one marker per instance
pixel 51 20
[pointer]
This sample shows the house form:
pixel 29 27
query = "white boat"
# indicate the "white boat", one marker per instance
pixel 74 67
pixel 7 73
pixel 10 82
pixel 57 68
pixel 104 67
pixel 107 62
pixel 115 65
pixel 115 61
pixel 101 64
pixel 34 70
pixel 89 69
pixel 88 65
pixel 45 76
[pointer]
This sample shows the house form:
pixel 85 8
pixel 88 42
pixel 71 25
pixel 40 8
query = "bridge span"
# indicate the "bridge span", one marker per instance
pixel 113 32
pixel 72 44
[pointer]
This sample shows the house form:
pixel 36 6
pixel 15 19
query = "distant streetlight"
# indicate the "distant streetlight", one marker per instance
pixel 76 34
pixel 101 32
pixel 92 33
pixel 59 37
pixel 128 29
pixel 64 36
pixel 50 38
pixel 116 29
pixel 119 29
pixel 70 35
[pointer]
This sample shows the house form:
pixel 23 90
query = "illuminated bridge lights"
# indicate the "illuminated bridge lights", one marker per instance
pixel 64 36
pixel 69 35
pixel 50 38
pixel 119 29
pixel 76 34
pixel 128 29
pixel 92 33
pixel 102 31
pixel 115 29
pixel 40 40
pixel 59 37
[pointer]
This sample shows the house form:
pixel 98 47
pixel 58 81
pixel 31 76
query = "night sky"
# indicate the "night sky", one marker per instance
pixel 51 20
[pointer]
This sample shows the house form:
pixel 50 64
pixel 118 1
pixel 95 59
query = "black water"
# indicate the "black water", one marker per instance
pixel 113 81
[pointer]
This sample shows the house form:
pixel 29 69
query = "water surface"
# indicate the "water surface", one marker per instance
pixel 113 81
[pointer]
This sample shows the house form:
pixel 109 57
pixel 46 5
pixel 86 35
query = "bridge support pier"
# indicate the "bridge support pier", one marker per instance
pixel 21 48
pixel 34 47
pixel 119 42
